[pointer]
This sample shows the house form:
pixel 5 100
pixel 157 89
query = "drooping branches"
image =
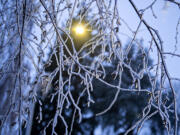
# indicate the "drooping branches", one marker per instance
pixel 63 66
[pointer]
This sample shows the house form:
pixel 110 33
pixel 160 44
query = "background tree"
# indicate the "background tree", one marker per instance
pixel 120 115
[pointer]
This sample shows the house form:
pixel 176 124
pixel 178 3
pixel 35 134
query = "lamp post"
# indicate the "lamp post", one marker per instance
pixel 80 33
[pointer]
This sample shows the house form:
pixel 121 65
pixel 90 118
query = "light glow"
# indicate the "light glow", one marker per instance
pixel 79 29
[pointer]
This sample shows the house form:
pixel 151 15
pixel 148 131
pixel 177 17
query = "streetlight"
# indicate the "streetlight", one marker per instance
pixel 80 33
pixel 79 29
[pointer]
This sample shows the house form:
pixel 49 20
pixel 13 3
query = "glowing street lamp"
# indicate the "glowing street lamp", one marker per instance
pixel 79 29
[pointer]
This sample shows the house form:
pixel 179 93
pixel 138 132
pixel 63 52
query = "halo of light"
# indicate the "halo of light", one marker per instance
pixel 79 29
